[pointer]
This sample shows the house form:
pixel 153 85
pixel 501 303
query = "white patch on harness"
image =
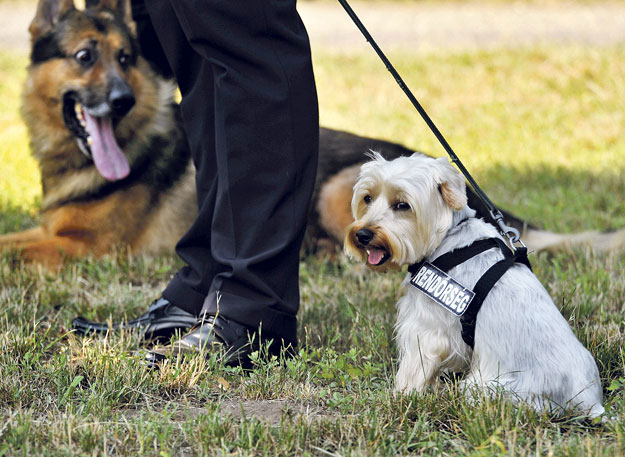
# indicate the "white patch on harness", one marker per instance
pixel 442 288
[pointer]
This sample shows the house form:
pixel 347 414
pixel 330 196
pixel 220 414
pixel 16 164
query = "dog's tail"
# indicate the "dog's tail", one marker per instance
pixel 542 240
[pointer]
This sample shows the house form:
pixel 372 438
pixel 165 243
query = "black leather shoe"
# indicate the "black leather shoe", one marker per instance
pixel 160 323
pixel 234 341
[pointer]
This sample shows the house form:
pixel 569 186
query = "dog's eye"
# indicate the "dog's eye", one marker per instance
pixel 124 59
pixel 401 206
pixel 367 199
pixel 85 57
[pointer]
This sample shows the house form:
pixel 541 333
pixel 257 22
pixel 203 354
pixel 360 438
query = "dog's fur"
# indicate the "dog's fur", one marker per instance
pixel 523 345
pixel 149 204
pixel 147 207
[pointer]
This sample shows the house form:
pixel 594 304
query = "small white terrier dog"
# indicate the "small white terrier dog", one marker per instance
pixel 415 208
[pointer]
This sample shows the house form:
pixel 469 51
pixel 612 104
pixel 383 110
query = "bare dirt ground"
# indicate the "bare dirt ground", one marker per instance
pixel 420 26
pixel 272 412
pixel 14 20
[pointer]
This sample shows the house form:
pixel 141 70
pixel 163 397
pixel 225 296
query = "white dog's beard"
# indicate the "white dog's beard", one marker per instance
pixel 388 247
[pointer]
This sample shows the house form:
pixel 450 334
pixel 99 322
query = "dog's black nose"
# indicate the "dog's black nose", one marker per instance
pixel 364 236
pixel 121 98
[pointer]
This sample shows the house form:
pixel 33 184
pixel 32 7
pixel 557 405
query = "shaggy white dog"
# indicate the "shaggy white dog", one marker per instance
pixel 414 208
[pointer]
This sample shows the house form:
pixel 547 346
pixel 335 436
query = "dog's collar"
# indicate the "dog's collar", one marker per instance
pixel 483 286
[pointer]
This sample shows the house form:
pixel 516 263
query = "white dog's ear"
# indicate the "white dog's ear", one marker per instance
pixel 451 185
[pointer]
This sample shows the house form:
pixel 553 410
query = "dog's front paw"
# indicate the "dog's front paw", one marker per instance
pixel 403 390
pixel 406 384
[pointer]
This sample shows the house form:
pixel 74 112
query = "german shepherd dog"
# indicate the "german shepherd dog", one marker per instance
pixel 115 166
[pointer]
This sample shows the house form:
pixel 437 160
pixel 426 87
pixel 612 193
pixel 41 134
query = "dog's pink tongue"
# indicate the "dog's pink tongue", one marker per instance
pixel 375 256
pixel 107 156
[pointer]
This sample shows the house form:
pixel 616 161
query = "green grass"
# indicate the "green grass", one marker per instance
pixel 540 128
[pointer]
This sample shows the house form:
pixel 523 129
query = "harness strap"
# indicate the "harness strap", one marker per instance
pixel 453 258
pixel 484 285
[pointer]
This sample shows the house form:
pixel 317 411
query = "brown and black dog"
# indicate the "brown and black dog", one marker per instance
pixel 115 166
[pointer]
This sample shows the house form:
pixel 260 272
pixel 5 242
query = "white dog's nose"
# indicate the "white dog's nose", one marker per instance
pixel 364 236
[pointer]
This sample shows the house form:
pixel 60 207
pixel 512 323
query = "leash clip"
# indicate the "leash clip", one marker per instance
pixel 513 235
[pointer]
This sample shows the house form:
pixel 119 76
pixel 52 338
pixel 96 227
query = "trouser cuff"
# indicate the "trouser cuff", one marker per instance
pixel 181 295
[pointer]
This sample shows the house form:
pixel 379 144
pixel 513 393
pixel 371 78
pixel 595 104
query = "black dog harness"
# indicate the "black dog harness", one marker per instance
pixel 483 286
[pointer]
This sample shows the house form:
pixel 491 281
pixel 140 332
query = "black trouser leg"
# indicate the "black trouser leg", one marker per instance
pixel 148 40
pixel 190 286
pixel 256 118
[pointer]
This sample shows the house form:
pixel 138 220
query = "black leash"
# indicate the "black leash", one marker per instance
pixel 511 233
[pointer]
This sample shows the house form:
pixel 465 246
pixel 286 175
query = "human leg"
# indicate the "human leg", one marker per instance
pixel 266 134
pixel 182 301
pixel 244 247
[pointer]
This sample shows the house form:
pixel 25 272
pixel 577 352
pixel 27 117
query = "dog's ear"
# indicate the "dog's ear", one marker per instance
pixel 121 7
pixel 451 185
pixel 48 14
